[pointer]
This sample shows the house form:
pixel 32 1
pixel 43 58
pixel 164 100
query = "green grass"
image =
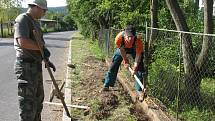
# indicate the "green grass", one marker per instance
pixel 161 82
pixel 208 86
pixel 194 114
pixel 80 48
pixel 94 48
pixel 79 52
pixel 202 111
pixel 122 112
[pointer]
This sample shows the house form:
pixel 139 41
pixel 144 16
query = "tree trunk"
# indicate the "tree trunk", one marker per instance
pixel 181 25
pixel 154 21
pixel 153 34
pixel 192 80
pixel 201 67
pixel 208 29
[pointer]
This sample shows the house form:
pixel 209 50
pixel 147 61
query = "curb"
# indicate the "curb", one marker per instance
pixel 67 89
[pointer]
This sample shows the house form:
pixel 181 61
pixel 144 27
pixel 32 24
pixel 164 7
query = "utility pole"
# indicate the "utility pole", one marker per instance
pixel 58 28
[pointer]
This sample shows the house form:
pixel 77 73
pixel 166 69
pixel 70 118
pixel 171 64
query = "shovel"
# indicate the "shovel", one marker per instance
pixel 138 81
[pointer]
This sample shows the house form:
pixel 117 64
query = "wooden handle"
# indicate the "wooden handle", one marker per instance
pixel 137 79
pixel 38 40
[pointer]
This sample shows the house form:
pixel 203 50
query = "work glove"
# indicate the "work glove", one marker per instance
pixel 51 65
pixel 126 63
pixel 134 70
pixel 46 52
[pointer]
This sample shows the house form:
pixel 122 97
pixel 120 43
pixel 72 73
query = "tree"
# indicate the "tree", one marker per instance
pixel 85 14
pixel 208 29
pixel 192 68
pixel 154 21
pixel 92 15
pixel 69 22
pixel 9 6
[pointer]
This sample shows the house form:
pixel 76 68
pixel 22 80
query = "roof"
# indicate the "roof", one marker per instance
pixel 48 20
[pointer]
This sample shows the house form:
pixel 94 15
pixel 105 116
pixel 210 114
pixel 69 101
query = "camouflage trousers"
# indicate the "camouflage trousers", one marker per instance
pixel 30 90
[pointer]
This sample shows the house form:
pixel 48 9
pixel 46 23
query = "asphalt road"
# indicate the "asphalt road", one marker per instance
pixel 57 43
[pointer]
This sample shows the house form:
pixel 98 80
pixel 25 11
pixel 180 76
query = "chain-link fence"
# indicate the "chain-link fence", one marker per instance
pixel 180 70
pixel 106 40
pixel 182 73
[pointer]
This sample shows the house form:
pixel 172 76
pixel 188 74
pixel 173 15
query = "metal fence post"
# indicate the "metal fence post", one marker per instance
pixel 108 41
pixel 146 50
pixel 179 78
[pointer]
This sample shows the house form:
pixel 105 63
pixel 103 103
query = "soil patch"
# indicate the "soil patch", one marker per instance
pixel 105 105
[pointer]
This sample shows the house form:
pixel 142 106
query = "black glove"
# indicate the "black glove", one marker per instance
pixel 51 65
pixel 46 52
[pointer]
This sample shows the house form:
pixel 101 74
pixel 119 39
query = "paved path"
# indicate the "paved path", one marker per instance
pixel 8 88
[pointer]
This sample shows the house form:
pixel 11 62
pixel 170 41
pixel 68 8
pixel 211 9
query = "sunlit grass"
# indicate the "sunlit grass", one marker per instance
pixel 94 48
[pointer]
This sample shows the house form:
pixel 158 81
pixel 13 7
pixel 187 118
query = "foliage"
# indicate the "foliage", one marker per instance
pixel 91 15
pixel 165 19
pixel 163 81
pixel 69 22
pixel 65 22
pixel 194 114
pixel 94 48
pixel 164 77
pixel 9 6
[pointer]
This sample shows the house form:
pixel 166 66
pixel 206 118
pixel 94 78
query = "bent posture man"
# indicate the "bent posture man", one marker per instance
pixel 127 42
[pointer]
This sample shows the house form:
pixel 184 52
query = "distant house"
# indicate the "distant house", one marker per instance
pixel 201 6
pixel 48 23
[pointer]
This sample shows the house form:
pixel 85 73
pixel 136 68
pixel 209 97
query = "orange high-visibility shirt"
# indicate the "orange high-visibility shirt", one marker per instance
pixel 139 44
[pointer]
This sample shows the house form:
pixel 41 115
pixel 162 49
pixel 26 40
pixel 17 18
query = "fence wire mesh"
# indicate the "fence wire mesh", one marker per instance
pixel 106 40
pixel 180 71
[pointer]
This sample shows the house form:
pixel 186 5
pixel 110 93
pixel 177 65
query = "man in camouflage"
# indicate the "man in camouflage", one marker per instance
pixel 28 65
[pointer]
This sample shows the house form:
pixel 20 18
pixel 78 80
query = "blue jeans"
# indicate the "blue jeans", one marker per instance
pixel 111 75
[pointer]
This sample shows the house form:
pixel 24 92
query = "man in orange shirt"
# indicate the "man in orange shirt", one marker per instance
pixel 126 43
